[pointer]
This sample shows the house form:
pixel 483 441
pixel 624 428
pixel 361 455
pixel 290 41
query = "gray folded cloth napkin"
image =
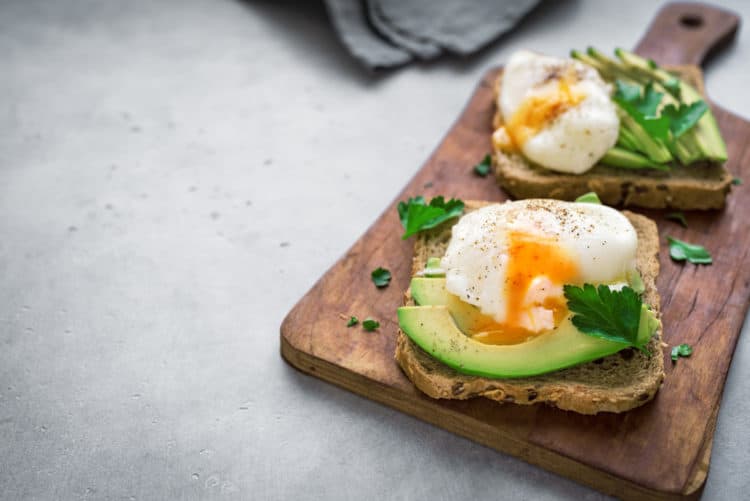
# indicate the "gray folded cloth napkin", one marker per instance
pixel 387 33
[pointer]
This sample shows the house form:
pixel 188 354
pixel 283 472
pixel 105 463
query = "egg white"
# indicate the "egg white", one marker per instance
pixel 576 139
pixel 599 239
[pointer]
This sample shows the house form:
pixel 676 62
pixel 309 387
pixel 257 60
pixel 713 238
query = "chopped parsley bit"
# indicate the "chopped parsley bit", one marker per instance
pixel 683 350
pixel 483 168
pixel 605 313
pixel 681 251
pixel 380 277
pixel 352 321
pixel 589 198
pixel 677 216
pixel 370 324
pixel 416 215
pixel 737 181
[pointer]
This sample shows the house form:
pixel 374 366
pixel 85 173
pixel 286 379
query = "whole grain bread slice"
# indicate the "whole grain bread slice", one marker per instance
pixel 698 186
pixel 615 383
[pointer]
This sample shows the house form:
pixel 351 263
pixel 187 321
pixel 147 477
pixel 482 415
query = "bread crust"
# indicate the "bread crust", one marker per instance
pixel 698 186
pixel 616 383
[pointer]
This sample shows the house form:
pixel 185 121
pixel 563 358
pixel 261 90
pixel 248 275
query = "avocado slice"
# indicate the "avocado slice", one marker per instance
pixel 431 291
pixel 435 326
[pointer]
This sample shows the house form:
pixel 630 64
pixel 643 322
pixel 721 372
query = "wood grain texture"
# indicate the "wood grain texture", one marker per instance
pixel 687 33
pixel 659 451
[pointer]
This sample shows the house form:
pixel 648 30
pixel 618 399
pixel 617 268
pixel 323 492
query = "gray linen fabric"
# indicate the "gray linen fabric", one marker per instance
pixel 418 46
pixel 349 19
pixel 387 33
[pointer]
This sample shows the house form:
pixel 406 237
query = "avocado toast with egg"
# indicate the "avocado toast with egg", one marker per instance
pixel 625 378
pixel 655 144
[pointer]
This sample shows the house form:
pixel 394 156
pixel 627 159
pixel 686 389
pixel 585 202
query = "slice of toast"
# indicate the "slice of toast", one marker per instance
pixel 615 383
pixel 698 186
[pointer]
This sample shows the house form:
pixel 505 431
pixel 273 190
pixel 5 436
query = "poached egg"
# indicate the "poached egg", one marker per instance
pixel 512 260
pixel 556 112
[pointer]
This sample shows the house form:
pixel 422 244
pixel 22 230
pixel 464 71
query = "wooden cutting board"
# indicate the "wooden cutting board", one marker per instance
pixel 659 451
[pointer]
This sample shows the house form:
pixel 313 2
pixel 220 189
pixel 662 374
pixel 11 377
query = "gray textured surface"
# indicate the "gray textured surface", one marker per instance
pixel 173 176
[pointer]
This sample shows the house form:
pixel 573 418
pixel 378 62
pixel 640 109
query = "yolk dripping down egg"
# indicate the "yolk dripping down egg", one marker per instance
pixel 541 108
pixel 512 260
pixel 557 112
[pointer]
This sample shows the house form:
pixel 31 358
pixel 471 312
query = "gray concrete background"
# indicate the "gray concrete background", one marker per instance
pixel 174 175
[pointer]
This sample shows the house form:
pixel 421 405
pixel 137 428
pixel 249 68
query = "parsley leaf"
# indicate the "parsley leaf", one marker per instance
pixel 604 313
pixel 658 128
pixel 420 217
pixel 737 181
pixel 370 324
pixel 416 215
pixel 643 108
pixel 677 216
pixel 380 277
pixel 681 251
pixel 483 168
pixel 646 105
pixel 673 86
pixel 352 321
pixel 683 350
pixel 627 92
pixel 589 198
pixel 683 118
pixel 403 208
pixel 649 103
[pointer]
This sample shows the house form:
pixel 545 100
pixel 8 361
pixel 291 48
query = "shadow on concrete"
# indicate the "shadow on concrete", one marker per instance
pixel 307 26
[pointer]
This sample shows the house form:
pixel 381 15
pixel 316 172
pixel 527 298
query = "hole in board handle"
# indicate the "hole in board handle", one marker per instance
pixel 691 21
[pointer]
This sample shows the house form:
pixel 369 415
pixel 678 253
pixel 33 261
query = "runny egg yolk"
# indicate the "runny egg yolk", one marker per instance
pixel 539 110
pixel 532 260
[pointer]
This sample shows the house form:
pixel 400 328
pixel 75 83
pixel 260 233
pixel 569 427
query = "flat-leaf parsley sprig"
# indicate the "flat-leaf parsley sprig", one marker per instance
pixel 484 166
pixel 370 324
pixel 416 215
pixel 609 314
pixel 381 277
pixel 683 350
pixel 684 251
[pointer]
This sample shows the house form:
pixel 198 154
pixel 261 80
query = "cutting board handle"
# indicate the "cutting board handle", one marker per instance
pixel 686 33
